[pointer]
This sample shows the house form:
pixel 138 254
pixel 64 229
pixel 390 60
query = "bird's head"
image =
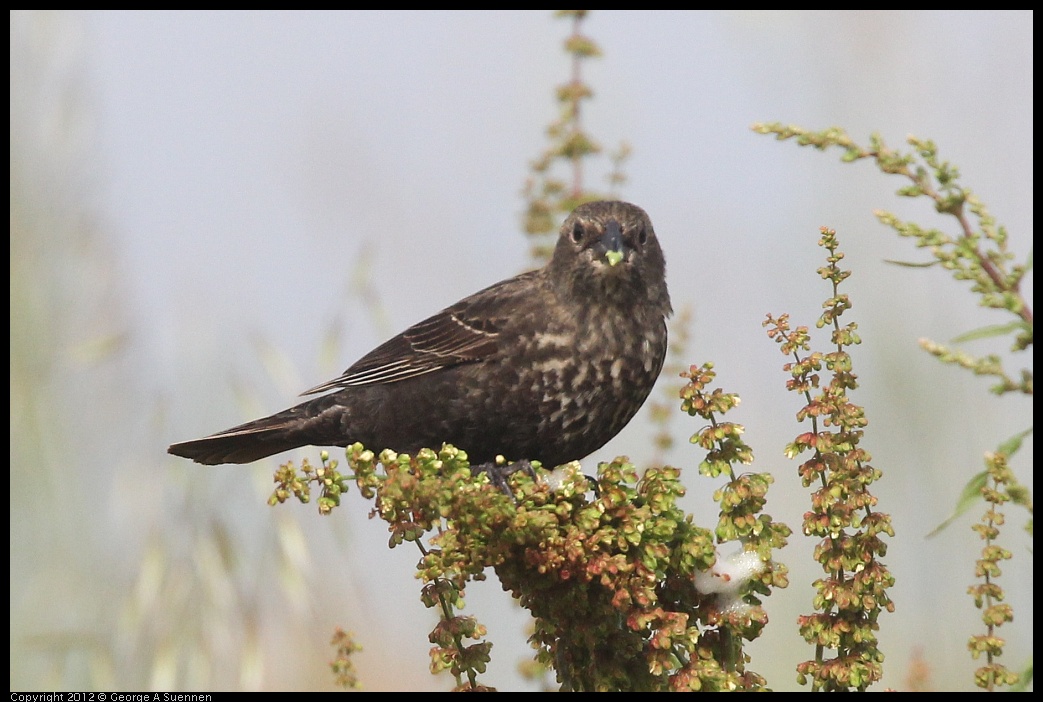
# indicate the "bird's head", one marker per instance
pixel 610 249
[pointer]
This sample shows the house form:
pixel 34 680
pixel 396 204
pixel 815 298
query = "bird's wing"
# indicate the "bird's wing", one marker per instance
pixel 467 332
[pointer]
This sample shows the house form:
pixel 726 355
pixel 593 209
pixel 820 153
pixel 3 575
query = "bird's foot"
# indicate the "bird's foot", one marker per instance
pixel 498 473
pixel 593 485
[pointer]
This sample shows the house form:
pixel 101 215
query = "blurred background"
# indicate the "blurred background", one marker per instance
pixel 212 211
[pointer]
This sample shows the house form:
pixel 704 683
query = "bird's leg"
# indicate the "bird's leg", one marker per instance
pixel 593 485
pixel 498 473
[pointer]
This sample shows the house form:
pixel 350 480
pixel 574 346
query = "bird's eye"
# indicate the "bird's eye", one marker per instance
pixel 577 233
pixel 642 236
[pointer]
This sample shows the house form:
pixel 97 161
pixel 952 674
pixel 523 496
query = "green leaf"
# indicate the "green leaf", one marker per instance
pixel 971 494
pixel 1025 679
pixel 1013 444
pixel 910 264
pixel 990 331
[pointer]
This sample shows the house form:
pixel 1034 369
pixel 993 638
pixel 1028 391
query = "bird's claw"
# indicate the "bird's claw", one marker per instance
pixel 593 485
pixel 499 473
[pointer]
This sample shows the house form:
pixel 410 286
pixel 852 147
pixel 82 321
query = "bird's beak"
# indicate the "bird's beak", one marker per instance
pixel 612 242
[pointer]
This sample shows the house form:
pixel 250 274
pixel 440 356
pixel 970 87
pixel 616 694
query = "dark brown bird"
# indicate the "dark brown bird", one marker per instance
pixel 548 365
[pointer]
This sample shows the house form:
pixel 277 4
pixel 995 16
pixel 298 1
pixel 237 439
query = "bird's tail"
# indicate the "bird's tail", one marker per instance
pixel 260 438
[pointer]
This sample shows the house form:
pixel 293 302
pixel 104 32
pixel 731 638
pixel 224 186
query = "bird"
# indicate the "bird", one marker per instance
pixel 546 366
